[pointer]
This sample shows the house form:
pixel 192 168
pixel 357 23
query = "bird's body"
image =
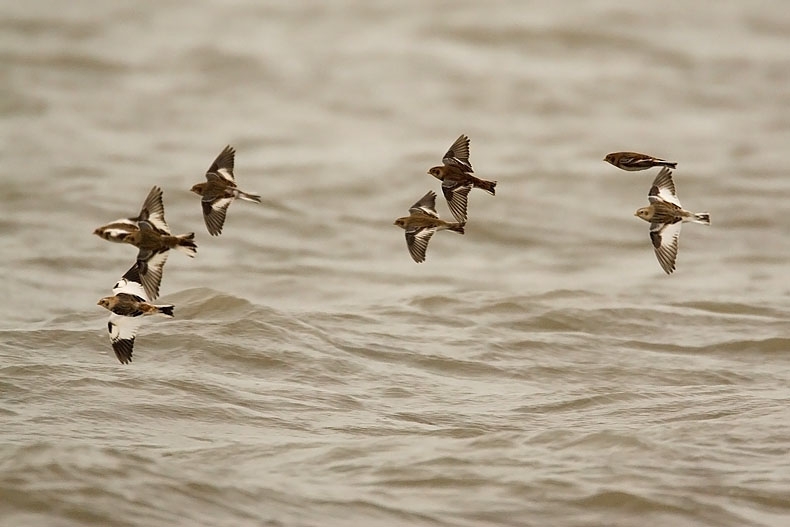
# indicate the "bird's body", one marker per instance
pixel 150 239
pixel 127 307
pixel 666 215
pixel 421 225
pixel 220 190
pixel 634 161
pixel 456 175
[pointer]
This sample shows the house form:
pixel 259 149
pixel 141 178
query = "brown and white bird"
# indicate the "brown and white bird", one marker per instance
pixel 117 230
pixel 457 179
pixel 422 223
pixel 633 161
pixel 127 307
pixel 666 215
pixel 219 191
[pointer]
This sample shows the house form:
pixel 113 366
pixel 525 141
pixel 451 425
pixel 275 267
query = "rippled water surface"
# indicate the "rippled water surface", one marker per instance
pixel 539 370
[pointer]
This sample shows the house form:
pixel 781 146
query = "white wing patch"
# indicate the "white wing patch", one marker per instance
pixel 130 284
pixel 426 205
pixel 131 288
pixel 665 244
pixel 457 199
pixel 417 242
pixel 458 154
pixel 154 210
pixel 215 215
pixel 152 278
pixel 122 332
pixel 226 174
pixel 664 188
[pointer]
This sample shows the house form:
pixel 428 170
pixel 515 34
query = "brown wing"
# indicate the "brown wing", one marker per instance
pixel 456 195
pixel 458 154
pixel 417 242
pixel 426 205
pixel 223 164
pixel 214 214
pixel 154 210
pixel 151 267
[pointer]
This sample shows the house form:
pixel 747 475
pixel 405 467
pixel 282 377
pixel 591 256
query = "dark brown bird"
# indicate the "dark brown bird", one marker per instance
pixel 633 161
pixel 457 179
pixel 422 223
pixel 219 191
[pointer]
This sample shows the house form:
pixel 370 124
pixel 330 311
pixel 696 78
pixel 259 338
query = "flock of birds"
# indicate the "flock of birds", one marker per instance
pixel 664 213
pixel 134 293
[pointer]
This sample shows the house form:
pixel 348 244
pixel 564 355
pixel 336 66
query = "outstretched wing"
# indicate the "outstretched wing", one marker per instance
pixel 417 242
pixel 663 188
pixel 122 331
pixel 214 212
pixel 426 205
pixel 223 164
pixel 458 154
pixel 131 284
pixel 151 267
pixel 665 243
pixel 456 196
pixel 154 210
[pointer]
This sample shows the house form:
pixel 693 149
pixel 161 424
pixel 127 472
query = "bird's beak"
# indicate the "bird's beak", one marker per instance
pixel 636 214
pixel 98 303
pixel 394 222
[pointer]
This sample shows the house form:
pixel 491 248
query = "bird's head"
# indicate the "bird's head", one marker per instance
pixel 104 302
pixel 437 172
pixel 610 158
pixel 400 222
pixel 645 213
pixel 198 188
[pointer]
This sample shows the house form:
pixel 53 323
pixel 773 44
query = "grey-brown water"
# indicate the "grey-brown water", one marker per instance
pixel 539 370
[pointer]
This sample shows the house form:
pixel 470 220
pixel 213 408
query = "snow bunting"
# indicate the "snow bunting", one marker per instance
pixel 457 179
pixel 128 305
pixel 219 191
pixel 422 223
pixel 117 230
pixel 633 161
pixel 666 215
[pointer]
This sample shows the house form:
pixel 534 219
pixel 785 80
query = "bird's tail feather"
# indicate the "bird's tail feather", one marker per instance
pixel 457 227
pixel 166 310
pixel 488 186
pixel 668 164
pixel 187 244
pixel 248 196
pixel 702 217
